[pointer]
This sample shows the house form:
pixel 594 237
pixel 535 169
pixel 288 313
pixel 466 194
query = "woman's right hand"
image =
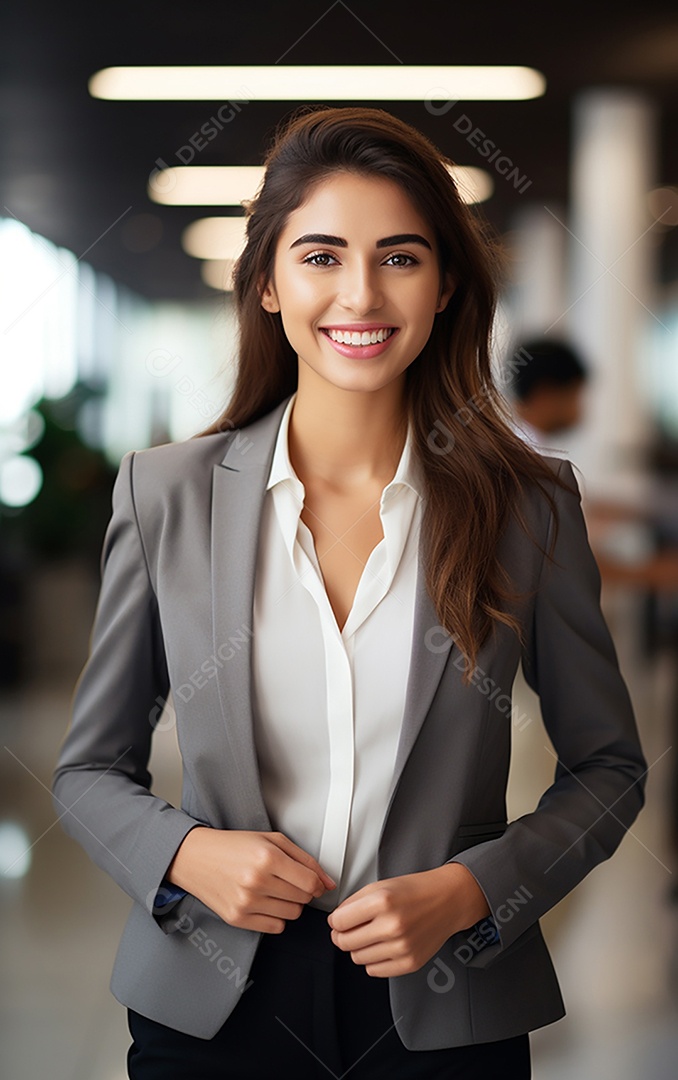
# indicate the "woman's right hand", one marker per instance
pixel 254 880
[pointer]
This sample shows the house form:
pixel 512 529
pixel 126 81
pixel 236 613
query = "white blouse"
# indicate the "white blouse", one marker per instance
pixel 328 705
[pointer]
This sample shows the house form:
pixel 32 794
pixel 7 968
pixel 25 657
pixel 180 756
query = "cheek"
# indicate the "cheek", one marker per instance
pixel 422 300
pixel 423 315
pixel 303 299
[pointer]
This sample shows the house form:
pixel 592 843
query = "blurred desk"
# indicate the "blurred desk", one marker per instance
pixel 656 572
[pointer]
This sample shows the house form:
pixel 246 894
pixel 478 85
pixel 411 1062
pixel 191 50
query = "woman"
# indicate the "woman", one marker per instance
pixel 337 581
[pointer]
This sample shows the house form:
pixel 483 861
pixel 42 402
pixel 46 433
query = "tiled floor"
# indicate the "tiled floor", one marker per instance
pixel 613 940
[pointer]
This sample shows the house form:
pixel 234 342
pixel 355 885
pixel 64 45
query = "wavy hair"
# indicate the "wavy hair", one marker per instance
pixel 452 400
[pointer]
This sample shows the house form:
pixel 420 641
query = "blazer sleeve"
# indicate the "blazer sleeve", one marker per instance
pixel 101 783
pixel 570 661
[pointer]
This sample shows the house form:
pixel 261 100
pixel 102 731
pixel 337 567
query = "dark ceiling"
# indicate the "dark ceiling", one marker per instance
pixel 75 169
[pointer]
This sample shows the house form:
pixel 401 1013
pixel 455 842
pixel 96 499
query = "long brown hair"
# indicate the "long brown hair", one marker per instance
pixel 451 398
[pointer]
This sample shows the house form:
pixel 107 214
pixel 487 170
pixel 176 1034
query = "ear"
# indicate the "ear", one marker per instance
pixel 447 290
pixel 268 296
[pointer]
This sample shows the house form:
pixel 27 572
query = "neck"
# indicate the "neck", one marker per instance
pixel 346 439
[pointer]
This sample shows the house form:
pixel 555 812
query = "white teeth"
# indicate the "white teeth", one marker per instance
pixel 348 337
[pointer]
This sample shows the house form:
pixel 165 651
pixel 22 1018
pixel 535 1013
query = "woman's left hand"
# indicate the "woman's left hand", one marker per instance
pixel 396 925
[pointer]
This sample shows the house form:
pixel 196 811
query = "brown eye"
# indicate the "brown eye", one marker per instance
pixel 412 262
pixel 317 255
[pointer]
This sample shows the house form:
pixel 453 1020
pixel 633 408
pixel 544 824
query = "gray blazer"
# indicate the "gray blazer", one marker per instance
pixel 175 612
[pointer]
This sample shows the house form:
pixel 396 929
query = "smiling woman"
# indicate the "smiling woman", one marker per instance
pixel 359 226
pixel 367 529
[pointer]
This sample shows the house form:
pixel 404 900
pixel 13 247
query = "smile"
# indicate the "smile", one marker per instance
pixel 361 345
pixel 355 337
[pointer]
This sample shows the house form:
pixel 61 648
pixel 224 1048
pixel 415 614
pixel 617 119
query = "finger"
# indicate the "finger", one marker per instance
pixel 357 913
pixel 291 880
pixel 374 954
pixel 265 923
pixel 378 959
pixel 304 861
pixel 365 936
pixel 369 890
pixel 269 914
pixel 303 858
pixel 271 872
pixel 386 970
pixel 272 907
pixel 283 889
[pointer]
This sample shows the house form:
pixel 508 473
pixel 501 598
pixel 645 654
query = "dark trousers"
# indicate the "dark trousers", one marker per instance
pixel 311 1012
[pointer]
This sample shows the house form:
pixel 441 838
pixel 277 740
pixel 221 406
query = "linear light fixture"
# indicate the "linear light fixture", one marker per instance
pixel 474 185
pixel 214 238
pixel 230 185
pixel 204 185
pixel 327 82
pixel 218 274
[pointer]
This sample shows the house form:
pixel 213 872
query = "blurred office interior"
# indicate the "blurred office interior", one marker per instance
pixel 117 332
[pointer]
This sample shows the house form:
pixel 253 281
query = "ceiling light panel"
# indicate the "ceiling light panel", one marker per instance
pixel 230 185
pixel 276 82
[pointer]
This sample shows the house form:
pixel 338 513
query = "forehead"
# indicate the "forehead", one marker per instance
pixel 356 204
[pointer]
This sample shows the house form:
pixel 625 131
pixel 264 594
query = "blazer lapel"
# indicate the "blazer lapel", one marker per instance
pixel 239 488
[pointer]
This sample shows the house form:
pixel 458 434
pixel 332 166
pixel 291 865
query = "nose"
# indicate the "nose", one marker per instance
pixel 360 289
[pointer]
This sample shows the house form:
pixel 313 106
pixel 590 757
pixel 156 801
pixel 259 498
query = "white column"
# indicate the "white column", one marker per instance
pixel 535 293
pixel 611 282
pixel 537 243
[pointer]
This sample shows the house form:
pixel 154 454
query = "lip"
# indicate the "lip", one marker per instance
pixel 361 352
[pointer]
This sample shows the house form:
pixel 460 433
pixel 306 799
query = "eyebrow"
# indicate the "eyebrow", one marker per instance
pixel 338 241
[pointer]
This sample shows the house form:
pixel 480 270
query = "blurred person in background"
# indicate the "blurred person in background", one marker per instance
pixel 360 511
pixel 547 381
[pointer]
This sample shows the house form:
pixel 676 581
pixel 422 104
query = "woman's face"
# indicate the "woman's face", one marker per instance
pixel 356 252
